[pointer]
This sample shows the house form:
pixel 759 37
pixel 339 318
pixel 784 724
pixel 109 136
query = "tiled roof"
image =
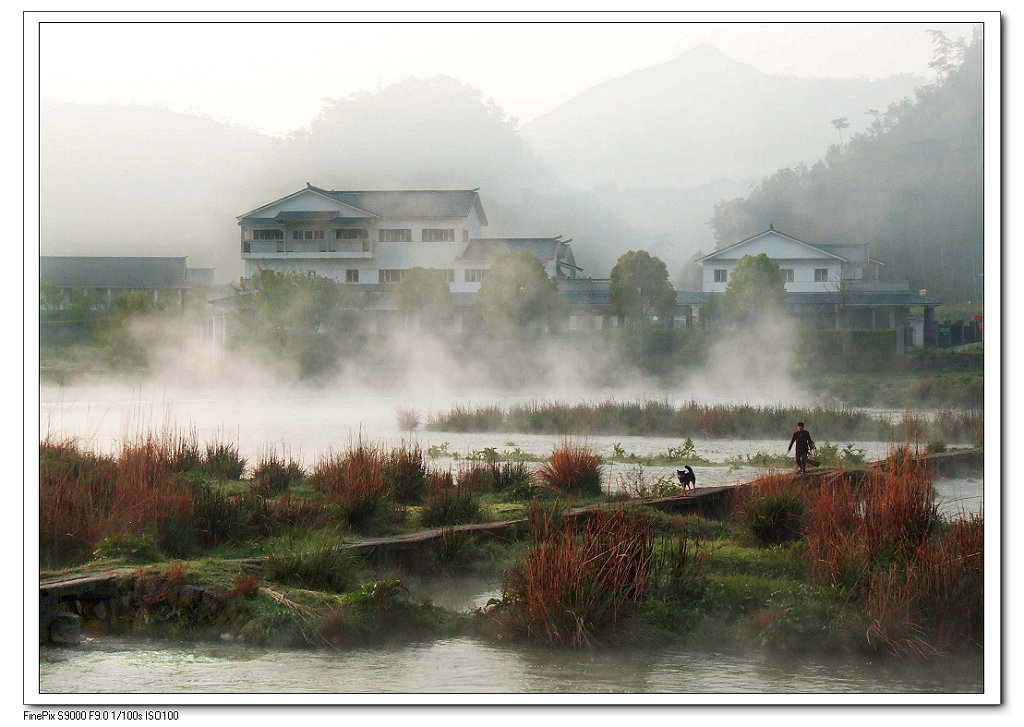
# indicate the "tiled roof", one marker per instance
pixel 412 203
pixel 150 273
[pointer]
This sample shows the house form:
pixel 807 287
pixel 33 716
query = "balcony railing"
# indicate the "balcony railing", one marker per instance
pixel 264 249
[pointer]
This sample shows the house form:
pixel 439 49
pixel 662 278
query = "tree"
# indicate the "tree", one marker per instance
pixel 424 296
pixel 640 287
pixel 300 318
pixel 756 291
pixel 516 293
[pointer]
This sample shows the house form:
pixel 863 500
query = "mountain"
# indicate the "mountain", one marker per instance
pixel 912 186
pixel 658 145
pixel 137 180
pixel 700 118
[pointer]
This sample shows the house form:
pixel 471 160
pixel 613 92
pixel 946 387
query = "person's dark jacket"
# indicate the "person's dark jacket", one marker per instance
pixel 803 441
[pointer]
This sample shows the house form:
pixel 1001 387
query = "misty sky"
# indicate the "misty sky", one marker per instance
pixel 274 77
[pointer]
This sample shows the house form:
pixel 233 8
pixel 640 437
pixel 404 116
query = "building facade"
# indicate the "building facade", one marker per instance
pixel 833 285
pixel 373 237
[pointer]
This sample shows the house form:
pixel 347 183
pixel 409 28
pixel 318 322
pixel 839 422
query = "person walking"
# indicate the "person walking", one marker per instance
pixel 804 444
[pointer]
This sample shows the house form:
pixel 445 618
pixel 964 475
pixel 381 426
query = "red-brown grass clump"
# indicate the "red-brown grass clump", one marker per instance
pixel 920 582
pixel 84 496
pixel 572 469
pixel 584 578
pixel 354 481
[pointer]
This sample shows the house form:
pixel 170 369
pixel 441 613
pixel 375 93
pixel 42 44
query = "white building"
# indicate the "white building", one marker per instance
pixel 837 286
pixel 373 237
pixel 809 268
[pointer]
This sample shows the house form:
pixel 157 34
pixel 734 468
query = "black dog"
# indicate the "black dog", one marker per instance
pixel 687 478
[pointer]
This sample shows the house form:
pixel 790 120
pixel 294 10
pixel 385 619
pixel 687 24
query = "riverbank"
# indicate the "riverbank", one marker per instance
pixel 693 581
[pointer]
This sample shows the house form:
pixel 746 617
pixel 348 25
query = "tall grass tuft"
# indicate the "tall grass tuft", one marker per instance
pixel 585 578
pixel 448 503
pixel 356 482
pixel 320 561
pixel 272 476
pixel 773 508
pixel 405 474
pixel 223 462
pixel 573 470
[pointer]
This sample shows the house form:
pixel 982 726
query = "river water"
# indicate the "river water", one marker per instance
pixel 305 425
pixel 464 665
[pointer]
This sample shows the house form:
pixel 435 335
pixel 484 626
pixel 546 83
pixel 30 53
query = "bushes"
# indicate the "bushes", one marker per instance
pixel 572 469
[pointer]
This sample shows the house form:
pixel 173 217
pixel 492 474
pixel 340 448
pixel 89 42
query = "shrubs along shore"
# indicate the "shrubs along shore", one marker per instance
pixel 862 563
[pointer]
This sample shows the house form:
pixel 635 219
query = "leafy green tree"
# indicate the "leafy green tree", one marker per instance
pixel 517 294
pixel 640 287
pixel 423 295
pixel 300 318
pixel 756 292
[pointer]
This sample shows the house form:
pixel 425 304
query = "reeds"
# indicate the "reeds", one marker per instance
pixel 691 419
pixel 140 491
pixel 572 469
pixel 580 579
pixel 880 539
pixel 405 473
pixel 355 481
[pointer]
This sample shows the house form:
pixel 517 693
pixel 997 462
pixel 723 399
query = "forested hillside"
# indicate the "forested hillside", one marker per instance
pixel 912 185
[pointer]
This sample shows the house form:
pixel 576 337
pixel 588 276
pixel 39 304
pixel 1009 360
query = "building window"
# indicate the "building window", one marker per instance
pixel 366 246
pixel 449 275
pixel 721 275
pixel 395 235
pixel 268 234
pixel 390 276
pixel 430 235
pixel 465 235
pixel 789 274
pixel 349 233
pixel 351 276
pixel 820 275
pixel 475 275
pixel 307 234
